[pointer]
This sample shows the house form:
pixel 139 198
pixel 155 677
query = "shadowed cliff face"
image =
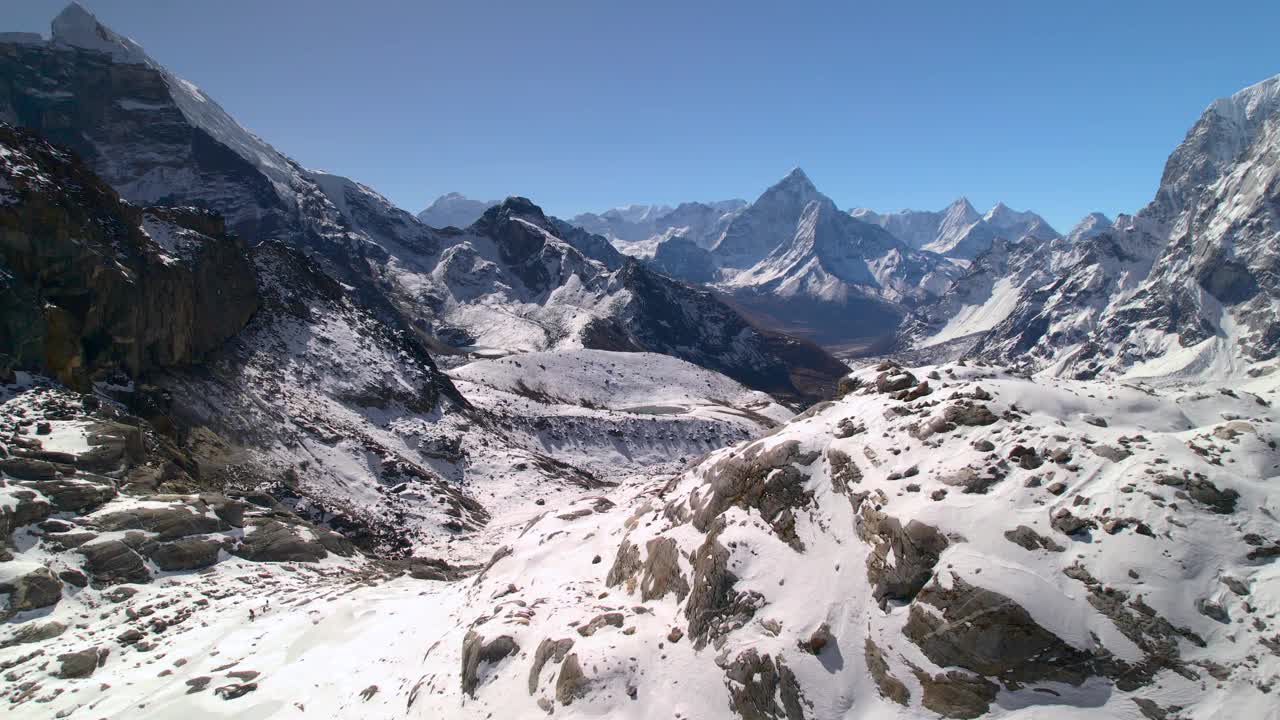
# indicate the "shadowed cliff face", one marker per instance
pixel 94 284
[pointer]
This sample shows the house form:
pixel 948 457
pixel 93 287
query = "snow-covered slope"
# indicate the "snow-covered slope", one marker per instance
pixel 955 541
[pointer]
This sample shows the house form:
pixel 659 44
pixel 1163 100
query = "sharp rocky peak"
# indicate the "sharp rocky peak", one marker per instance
pixel 77 27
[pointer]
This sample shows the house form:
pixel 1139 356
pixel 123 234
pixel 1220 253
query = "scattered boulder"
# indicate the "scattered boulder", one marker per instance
pixel 606 619
pixel 81 664
pixel 1029 539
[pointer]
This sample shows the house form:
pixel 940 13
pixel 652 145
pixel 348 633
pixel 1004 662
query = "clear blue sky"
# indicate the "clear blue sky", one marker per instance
pixel 1063 107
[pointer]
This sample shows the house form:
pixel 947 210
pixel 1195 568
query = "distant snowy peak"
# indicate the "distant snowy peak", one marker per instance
pixel 958 231
pixel 1092 224
pixel 454 209
pixel 638 229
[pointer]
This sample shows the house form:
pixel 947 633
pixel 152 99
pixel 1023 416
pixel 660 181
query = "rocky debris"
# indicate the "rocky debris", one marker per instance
pixel 714 608
pixel 1069 524
pixel 1025 537
pixel 1221 501
pixel 476 651
pixel 987 633
pixel 844 472
pixel 969 414
pixel 1152 633
pixel 34 632
pixel 29 586
pixel 902 558
pixel 234 690
pixel 1111 452
pixel 26 507
pixel 1152 710
pixel 420 568
pixel 847 428
pixel 974 479
pixel 889 686
pixel 767 480
pixel 760 688
pixel 81 664
pixel 548 651
pixel 198 684
pixel 1094 420
pixel 1025 457
pixel 955 694
pixel 613 619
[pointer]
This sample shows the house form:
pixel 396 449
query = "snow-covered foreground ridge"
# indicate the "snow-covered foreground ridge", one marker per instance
pixel 953 541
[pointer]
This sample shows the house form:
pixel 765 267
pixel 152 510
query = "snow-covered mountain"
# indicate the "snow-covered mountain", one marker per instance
pixel 961 543
pixel 637 230
pixel 454 210
pixel 1186 287
pixel 958 231
pixel 796 262
pixel 273 447
pixel 516 281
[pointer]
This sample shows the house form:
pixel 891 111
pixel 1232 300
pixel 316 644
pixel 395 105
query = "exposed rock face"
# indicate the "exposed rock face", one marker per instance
pixel 987 633
pixel 548 651
pixel 762 689
pixel 889 686
pixel 768 480
pixel 571 683
pixel 109 285
pixel 954 694
pixel 273 541
pixel 902 559
pixel 30 587
pixel 682 259
pixel 186 554
pixel 476 651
